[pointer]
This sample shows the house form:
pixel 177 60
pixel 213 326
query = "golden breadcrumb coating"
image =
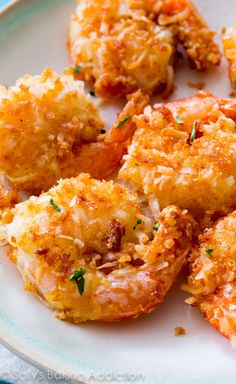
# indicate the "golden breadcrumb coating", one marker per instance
pixel 192 31
pixel 184 153
pixel 50 129
pixel 125 45
pixel 8 198
pixel 229 44
pixel 44 122
pixel 120 49
pixel 189 27
pixel 212 281
pixel 124 261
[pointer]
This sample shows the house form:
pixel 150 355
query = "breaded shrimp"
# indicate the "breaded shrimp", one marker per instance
pixel 229 43
pixel 125 45
pixel 191 29
pixel 88 250
pixel 184 153
pixel 120 49
pixel 8 199
pixel 50 129
pixel 212 281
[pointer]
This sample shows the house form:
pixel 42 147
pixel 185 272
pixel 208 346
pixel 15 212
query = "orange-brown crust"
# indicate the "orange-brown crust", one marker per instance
pixel 49 126
pixel 191 29
pixel 119 48
pixel 129 264
pixel 123 46
pixel 45 121
pixel 229 44
pixel 212 280
pixel 164 165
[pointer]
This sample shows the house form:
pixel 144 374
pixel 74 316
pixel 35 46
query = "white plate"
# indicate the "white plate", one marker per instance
pixel 32 36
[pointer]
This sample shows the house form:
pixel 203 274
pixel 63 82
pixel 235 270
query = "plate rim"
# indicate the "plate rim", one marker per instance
pixel 8 5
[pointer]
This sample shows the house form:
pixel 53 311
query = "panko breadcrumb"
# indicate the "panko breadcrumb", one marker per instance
pixel 212 280
pixel 184 153
pixel 179 331
pixel 8 199
pixel 44 122
pixel 87 249
pixel 125 45
pixel 120 49
pixel 229 44
pixel 191 31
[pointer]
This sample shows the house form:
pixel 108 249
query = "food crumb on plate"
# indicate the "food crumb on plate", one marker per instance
pixel 200 85
pixel 179 331
pixel 232 94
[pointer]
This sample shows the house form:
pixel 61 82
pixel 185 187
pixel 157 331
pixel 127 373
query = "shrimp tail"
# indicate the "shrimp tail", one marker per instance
pixel 135 105
pixel 100 159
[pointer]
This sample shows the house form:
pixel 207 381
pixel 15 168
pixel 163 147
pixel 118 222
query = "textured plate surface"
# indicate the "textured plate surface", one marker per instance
pixel 33 36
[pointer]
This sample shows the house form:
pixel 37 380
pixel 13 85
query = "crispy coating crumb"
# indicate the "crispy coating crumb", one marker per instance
pixel 232 94
pixel 120 49
pixel 192 31
pixel 50 127
pixel 45 121
pixel 179 331
pixel 128 266
pixel 229 44
pixel 200 85
pixel 186 155
pixel 8 198
pixel 212 280
pixel 125 45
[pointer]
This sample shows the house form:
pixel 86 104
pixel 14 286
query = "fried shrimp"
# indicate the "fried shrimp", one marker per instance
pixel 88 250
pixel 229 43
pixel 184 153
pixel 50 129
pixel 212 281
pixel 125 45
pixel 44 121
pixel 120 49
pixel 191 30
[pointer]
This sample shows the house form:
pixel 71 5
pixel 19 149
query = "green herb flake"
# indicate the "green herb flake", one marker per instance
pixel 55 206
pixel 77 69
pixel 139 221
pixel 123 121
pixel 156 226
pixel 178 120
pixel 78 277
pixel 209 251
pixel 137 165
pixel 193 133
pixel 102 131
pixel 92 93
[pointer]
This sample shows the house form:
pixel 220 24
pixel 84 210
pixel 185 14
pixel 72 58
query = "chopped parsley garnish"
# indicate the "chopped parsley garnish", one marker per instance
pixel 139 221
pixel 137 165
pixel 77 69
pixel 102 131
pixel 178 120
pixel 209 251
pixel 123 121
pixel 92 93
pixel 78 277
pixel 193 133
pixel 55 206
pixel 156 226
